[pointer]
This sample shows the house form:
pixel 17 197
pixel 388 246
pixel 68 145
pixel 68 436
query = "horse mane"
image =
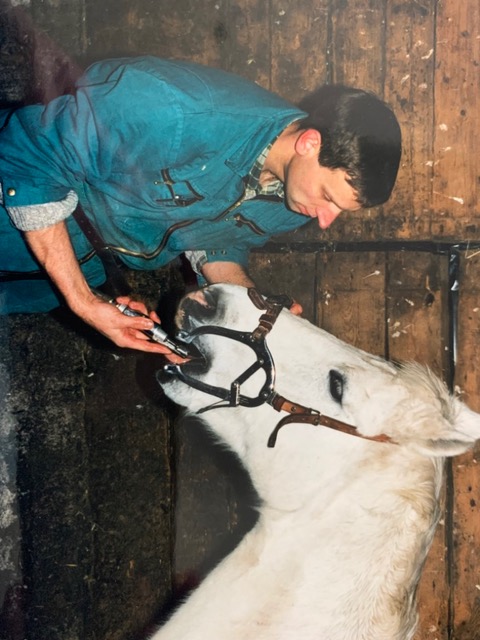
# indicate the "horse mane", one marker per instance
pixel 426 384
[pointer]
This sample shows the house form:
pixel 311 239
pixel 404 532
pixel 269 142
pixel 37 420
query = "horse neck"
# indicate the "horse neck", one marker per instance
pixel 374 516
pixel 341 559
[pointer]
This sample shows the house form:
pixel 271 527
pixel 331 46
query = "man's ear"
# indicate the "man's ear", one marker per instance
pixel 308 143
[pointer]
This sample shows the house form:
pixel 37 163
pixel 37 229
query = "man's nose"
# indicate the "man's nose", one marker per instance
pixel 327 216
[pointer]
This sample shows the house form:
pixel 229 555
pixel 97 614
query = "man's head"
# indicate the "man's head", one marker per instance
pixel 360 135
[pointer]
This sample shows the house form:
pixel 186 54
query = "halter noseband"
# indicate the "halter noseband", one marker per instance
pixel 256 340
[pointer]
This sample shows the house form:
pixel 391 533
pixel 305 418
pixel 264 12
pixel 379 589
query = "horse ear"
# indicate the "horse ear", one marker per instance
pixel 453 440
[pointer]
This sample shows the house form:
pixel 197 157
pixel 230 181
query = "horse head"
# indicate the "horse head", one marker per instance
pixel 406 403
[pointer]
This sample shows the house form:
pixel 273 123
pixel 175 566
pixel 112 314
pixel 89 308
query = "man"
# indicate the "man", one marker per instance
pixel 169 157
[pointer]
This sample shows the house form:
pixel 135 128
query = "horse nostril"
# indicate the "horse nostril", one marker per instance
pixel 196 308
pixel 201 296
pixel 210 299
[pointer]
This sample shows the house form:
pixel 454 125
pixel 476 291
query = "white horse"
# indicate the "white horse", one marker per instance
pixel 345 522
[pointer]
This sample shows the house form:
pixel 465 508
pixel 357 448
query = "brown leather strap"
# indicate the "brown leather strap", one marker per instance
pixel 117 283
pixel 256 298
pixel 304 415
pixel 266 322
pixel 267 319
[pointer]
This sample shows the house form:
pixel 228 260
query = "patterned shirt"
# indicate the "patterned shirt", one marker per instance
pixel 253 186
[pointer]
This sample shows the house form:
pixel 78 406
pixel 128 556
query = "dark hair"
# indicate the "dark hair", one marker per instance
pixel 360 134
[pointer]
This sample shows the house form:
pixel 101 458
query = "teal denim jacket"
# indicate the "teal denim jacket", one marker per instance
pixel 157 152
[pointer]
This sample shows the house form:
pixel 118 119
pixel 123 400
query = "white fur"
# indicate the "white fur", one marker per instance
pixel 345 524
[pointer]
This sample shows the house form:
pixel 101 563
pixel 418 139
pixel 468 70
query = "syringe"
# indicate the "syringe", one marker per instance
pixel 157 334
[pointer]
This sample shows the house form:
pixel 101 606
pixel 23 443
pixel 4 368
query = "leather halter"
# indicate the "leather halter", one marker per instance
pixel 256 341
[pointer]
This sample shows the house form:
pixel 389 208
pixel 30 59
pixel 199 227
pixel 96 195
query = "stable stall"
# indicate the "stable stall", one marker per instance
pixel 112 508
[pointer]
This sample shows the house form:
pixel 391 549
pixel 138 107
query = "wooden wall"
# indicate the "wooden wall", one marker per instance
pixel 380 278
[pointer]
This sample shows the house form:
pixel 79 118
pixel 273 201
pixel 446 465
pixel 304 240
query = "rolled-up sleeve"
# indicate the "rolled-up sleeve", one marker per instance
pixel 38 216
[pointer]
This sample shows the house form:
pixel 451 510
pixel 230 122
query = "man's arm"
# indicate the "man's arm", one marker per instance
pixel 233 273
pixel 228 272
pixel 53 249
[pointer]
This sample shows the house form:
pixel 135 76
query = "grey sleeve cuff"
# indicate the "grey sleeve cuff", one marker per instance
pixel 197 259
pixel 38 216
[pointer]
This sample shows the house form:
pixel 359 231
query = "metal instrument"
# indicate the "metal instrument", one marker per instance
pixel 156 334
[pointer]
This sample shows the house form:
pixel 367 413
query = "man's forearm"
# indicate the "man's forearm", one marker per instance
pixel 53 249
pixel 233 273
pixel 228 272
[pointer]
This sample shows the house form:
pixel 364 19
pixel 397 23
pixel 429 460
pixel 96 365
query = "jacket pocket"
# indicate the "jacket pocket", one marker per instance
pixel 241 221
pixel 178 194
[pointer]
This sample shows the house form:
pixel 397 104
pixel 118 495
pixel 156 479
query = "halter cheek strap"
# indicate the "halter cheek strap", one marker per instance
pixel 305 415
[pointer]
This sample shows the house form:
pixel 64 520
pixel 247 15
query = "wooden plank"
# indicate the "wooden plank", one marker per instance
pixel 351 298
pixel 417 318
pixel 291 273
pixel 409 89
pixel 358 43
pixel 455 180
pixel 46 369
pixel 130 492
pixel 168 29
pixel 466 469
pixel 214 504
pixel 299 41
pixel 417 302
pixel 246 47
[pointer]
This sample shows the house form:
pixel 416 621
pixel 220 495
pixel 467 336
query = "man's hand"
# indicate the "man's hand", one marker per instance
pixel 53 250
pixel 296 308
pixel 126 331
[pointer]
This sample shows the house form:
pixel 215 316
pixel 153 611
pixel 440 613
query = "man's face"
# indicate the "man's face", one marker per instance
pixel 313 190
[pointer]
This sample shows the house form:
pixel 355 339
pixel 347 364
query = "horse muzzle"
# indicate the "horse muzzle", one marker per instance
pixel 199 318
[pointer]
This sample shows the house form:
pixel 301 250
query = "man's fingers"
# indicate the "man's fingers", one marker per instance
pixel 296 309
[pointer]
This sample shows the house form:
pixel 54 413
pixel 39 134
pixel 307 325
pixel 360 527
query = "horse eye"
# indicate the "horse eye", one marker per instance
pixel 336 385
